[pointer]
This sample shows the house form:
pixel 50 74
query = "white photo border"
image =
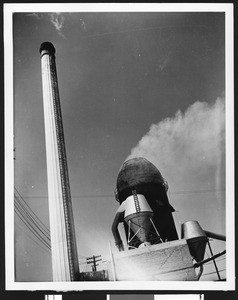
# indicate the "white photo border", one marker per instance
pixel 9 9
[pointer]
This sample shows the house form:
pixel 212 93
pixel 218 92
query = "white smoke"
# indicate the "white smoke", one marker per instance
pixel 188 149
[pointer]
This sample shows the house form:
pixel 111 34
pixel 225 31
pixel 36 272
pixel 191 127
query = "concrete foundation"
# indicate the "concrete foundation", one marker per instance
pixel 162 262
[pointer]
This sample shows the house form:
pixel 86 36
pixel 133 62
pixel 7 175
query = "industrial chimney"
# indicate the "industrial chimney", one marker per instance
pixel 63 242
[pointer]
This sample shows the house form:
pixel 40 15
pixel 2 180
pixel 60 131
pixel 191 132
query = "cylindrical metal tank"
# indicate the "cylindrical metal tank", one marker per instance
pixel 137 215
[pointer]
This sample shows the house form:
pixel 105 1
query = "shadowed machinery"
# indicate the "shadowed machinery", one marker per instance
pixel 153 250
pixel 144 206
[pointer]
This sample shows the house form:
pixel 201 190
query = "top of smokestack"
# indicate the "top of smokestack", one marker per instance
pixel 47 46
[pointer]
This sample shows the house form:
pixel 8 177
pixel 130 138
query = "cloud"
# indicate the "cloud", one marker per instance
pixel 83 24
pixel 165 62
pixel 57 19
pixel 35 15
pixel 188 149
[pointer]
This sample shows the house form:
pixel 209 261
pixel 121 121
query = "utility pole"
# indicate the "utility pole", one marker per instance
pixel 93 260
pixel 63 242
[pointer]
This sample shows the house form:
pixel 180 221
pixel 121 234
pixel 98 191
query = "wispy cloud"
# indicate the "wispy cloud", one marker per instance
pixel 35 15
pixel 83 24
pixel 57 19
pixel 165 62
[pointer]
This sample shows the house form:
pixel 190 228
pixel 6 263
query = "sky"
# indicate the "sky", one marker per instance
pixel 131 84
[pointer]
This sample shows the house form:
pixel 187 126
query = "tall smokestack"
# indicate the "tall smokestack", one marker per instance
pixel 63 242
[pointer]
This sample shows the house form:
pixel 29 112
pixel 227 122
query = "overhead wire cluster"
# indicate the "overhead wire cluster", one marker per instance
pixel 31 221
pixel 112 196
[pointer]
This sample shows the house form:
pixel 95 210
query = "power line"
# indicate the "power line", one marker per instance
pixel 112 196
pixel 45 249
pixel 31 218
pixel 93 262
pixel 20 213
pixel 197 192
pixel 31 221
pixel 32 210
pixel 79 196
pixel 39 238
pixel 140 29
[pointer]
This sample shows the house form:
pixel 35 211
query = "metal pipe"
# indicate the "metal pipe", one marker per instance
pixel 115 231
pixel 215 235
pixel 198 264
pixel 200 272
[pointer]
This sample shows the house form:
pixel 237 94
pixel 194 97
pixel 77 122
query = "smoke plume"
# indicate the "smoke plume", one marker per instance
pixel 188 149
